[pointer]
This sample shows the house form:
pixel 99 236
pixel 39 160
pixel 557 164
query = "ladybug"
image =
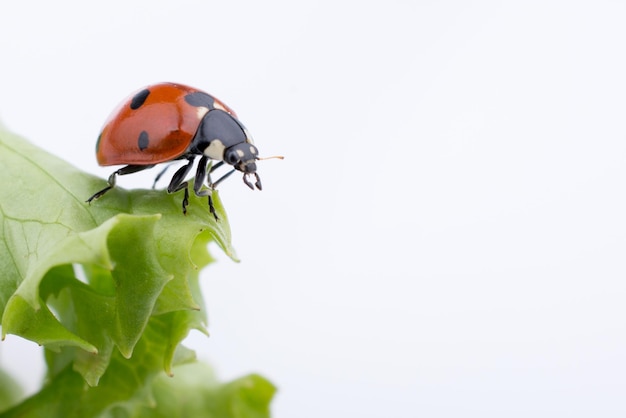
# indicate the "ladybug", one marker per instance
pixel 166 122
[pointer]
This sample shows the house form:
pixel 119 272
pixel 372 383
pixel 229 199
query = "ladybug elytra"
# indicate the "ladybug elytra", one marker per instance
pixel 166 122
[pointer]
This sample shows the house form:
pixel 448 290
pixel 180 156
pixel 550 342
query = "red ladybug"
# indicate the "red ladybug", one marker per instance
pixel 165 122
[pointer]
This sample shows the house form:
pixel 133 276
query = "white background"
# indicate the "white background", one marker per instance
pixel 446 235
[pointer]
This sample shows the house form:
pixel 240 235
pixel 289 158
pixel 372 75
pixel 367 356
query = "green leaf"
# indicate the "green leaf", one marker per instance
pixel 134 388
pixel 195 392
pixel 86 281
pixel 10 391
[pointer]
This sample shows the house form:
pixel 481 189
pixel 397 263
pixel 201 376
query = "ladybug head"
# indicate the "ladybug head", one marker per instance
pixel 243 157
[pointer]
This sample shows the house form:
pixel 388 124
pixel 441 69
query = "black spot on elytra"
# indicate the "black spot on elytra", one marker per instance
pixel 200 99
pixel 143 140
pixel 139 99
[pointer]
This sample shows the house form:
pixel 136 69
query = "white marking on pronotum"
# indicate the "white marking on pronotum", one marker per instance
pixel 215 150
pixel 240 153
pixel 201 111
pixel 220 107
pixel 248 136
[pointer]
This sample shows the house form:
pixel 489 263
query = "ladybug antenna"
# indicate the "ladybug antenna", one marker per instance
pixel 280 157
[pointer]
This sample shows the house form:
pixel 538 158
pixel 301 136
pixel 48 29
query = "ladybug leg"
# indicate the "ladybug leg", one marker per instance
pixel 224 177
pixel 178 182
pixel 158 176
pixel 201 176
pixel 213 168
pixel 216 166
pixel 129 169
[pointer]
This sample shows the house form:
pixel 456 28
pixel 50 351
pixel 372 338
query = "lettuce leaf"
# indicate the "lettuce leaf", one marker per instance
pixel 109 289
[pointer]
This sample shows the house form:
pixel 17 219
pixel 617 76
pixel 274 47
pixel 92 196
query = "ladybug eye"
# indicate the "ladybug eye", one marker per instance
pixel 231 157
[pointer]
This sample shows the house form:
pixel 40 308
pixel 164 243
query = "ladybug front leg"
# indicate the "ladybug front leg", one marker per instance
pixel 201 176
pixel 225 176
pixel 129 169
pixel 178 182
